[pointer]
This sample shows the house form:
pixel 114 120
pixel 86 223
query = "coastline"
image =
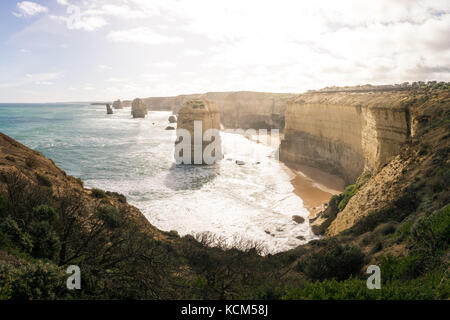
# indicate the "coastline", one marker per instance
pixel 313 186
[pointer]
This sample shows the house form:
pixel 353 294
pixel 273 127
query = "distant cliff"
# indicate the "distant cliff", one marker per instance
pixel 242 109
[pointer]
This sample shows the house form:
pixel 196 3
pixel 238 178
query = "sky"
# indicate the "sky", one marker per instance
pixel 98 50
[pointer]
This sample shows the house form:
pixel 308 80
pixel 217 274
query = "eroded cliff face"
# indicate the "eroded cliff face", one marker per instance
pixel 401 137
pixel 238 109
pixel 207 114
pixel 346 133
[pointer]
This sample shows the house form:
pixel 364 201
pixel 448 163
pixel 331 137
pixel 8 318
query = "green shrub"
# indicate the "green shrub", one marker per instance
pixel 111 216
pixel 45 213
pixel 3 207
pixel 349 192
pixel 432 233
pixel 404 268
pixel 9 158
pixel 333 262
pixel 430 287
pixel 14 237
pixel 32 281
pixel 98 193
pixel 46 243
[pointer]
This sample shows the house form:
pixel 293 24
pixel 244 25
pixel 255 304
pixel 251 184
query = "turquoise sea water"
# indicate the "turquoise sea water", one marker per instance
pixel 135 157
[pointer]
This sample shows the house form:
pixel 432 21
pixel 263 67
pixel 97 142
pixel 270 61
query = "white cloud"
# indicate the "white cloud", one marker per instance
pixel 271 45
pixel 63 2
pixel 163 64
pixel 81 22
pixel 192 52
pixel 142 35
pixel 104 67
pixel 29 9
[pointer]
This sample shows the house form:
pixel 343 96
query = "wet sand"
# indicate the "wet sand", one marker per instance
pixel 313 186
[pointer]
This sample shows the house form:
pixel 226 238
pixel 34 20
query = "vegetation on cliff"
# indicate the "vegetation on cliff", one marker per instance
pixel 48 221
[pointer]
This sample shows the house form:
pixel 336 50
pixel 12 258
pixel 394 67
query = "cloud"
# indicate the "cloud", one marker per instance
pixel 29 9
pixel 163 64
pixel 103 67
pixel 81 22
pixel 142 35
pixel 32 78
pixel 192 52
pixel 63 2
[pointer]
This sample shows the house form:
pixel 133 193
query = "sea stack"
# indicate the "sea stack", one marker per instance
pixel 172 119
pixel 108 109
pixel 117 104
pixel 138 108
pixel 192 114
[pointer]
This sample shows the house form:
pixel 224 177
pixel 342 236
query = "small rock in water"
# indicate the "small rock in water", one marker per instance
pixel 239 162
pixel 172 119
pixel 170 128
pixel 298 219
pixel 301 238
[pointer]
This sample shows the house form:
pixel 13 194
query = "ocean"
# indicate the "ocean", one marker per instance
pixel 252 202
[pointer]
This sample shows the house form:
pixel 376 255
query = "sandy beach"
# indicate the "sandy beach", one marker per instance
pixel 313 186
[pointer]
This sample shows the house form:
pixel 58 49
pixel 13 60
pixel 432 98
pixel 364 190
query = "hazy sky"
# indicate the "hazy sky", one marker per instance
pixel 71 50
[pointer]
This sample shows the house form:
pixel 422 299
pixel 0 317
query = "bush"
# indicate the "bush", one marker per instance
pixel 31 162
pixel 3 207
pixel 349 192
pixel 32 281
pixel 98 193
pixel 43 180
pixel 78 181
pixel 429 287
pixel 13 237
pixel 45 213
pixel 110 216
pixel 405 268
pixel 46 243
pixel 433 233
pixel 333 262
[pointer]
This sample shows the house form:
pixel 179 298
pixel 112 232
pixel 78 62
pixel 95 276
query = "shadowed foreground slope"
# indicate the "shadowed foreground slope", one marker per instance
pixel 48 221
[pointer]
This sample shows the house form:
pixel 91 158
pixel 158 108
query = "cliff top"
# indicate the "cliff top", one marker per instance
pixel 375 98
pixel 405 86
pixel 198 106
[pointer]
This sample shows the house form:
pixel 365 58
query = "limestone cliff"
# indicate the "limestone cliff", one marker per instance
pixel 117 104
pixel 242 109
pixel 399 136
pixel 138 109
pixel 196 110
pixel 346 132
pixel 415 180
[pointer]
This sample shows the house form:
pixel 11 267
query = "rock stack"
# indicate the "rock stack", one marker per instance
pixel 173 119
pixel 138 108
pixel 117 104
pixel 108 109
pixel 207 113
